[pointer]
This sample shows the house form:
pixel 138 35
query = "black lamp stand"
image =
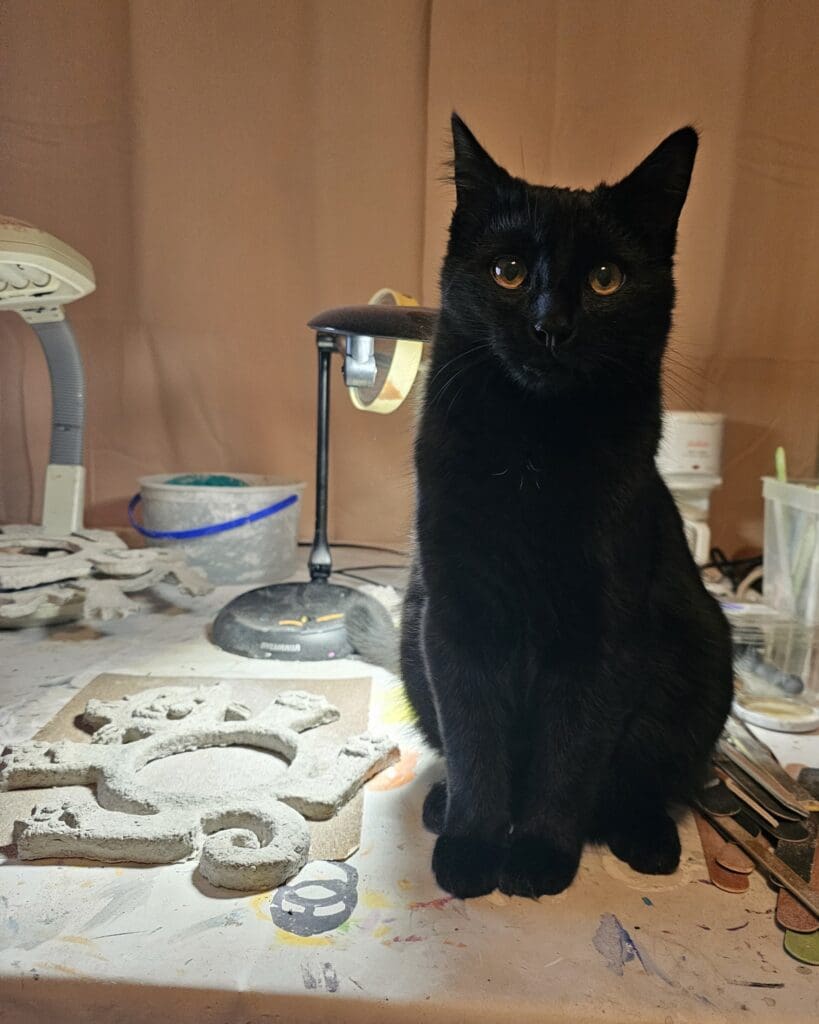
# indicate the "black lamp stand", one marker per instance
pixel 305 621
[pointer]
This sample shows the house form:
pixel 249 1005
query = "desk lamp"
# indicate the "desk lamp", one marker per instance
pixel 381 346
pixel 38 276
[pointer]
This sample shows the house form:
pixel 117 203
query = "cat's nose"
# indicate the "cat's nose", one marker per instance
pixel 550 333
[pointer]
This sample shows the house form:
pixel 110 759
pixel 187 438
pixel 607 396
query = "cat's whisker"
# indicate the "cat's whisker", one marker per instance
pixel 454 359
pixel 687 372
pixel 675 392
pixel 436 398
pixel 438 395
pixel 673 371
pixel 458 394
pixel 672 379
pixel 673 358
pixel 675 378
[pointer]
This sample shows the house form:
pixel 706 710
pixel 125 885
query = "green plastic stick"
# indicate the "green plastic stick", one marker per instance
pixel 781 464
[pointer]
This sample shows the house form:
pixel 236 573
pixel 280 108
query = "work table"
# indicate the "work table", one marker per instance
pixel 131 945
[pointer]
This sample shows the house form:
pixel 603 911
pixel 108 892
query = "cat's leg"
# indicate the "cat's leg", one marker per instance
pixel 631 806
pixel 419 693
pixel 434 814
pixel 558 778
pixel 676 667
pixel 471 682
pixel 661 759
pixel 647 840
pixel 631 814
pixel 413 664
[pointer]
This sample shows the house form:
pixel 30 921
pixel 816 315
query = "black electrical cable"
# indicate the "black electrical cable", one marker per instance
pixel 352 573
pixel 734 569
pixel 368 568
pixel 360 547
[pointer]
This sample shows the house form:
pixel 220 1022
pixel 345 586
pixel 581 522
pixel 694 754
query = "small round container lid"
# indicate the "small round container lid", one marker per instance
pixel 780 714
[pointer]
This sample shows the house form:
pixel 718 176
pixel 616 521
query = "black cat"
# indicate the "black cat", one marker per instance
pixel 557 643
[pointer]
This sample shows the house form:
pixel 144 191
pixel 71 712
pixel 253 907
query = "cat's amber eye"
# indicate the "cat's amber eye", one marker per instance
pixel 509 271
pixel 606 279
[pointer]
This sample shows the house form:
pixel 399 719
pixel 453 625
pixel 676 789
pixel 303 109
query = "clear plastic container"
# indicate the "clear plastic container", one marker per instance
pixel 791 560
pixel 776 669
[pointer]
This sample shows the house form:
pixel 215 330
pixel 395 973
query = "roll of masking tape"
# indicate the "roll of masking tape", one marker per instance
pixel 397 364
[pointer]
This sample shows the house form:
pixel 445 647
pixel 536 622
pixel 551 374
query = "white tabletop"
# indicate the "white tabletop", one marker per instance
pixel 128 945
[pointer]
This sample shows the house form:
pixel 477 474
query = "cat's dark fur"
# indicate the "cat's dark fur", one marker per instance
pixel 557 645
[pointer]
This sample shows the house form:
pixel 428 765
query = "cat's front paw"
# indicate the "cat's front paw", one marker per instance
pixel 435 808
pixel 534 867
pixel 466 866
pixel 650 846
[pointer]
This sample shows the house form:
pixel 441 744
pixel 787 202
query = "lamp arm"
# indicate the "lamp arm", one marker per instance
pixel 64 493
pixel 67 391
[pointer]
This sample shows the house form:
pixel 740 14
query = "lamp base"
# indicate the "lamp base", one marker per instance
pixel 288 622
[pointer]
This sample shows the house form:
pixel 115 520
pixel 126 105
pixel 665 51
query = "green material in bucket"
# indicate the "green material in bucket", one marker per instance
pixel 206 480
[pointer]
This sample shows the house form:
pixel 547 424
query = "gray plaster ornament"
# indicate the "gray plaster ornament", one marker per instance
pixel 252 841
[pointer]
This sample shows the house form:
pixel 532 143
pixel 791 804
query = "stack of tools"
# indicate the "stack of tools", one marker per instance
pixel 753 813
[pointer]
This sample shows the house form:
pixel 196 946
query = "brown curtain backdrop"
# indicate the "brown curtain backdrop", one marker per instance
pixel 230 168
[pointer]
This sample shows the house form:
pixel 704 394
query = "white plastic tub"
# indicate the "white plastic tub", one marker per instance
pixel 690 459
pixel 791 559
pixel 691 443
pixel 260 551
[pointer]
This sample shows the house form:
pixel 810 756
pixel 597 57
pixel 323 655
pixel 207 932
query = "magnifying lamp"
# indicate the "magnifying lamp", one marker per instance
pixel 39 275
pixel 381 345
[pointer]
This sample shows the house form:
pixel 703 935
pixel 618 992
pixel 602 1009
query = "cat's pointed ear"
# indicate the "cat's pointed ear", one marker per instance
pixel 474 170
pixel 652 196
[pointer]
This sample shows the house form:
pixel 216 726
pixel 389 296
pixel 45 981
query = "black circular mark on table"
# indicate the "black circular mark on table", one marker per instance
pixel 305 915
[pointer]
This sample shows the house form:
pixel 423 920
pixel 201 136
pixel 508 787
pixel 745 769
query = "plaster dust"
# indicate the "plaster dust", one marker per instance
pixel 163 793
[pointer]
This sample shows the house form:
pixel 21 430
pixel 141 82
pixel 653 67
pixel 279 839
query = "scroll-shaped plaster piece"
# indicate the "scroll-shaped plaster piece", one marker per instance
pixel 250 842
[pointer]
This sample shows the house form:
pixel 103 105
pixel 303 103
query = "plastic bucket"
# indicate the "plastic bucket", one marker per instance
pixel 233 534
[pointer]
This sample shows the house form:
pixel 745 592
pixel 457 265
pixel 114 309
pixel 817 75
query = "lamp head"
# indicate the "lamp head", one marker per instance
pixel 382 345
pixel 39 274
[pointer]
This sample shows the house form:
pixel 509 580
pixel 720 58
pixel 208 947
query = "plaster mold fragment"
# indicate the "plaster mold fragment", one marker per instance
pixel 81 575
pixel 253 841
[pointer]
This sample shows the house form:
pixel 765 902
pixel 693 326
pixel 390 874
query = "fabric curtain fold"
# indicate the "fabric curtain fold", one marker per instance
pixel 230 169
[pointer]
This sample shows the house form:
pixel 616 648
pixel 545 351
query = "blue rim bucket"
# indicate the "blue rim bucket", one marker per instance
pixel 243 534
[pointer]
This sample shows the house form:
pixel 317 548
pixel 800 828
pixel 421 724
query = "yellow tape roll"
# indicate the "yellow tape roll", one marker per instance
pixel 398 364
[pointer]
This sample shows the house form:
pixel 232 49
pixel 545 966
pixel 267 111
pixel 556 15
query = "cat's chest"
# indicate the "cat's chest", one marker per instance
pixel 525 471
pixel 527 488
pixel 535 487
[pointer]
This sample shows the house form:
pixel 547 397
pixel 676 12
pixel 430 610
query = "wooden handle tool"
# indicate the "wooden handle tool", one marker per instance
pixel 756 848
pixel 790 913
pixel 712 844
pixel 753 789
pixel 744 749
pixel 804 859
pixel 732 858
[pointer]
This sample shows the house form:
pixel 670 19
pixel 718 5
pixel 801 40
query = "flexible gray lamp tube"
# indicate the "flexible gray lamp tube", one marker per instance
pixel 67 392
